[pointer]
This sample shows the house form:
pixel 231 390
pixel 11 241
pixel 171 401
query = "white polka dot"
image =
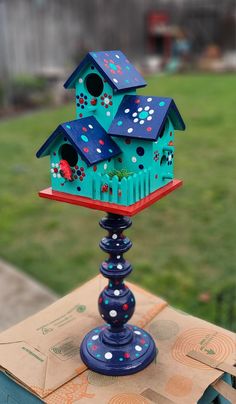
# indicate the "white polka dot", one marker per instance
pixel 116 292
pixel 127 110
pixel 57 165
pixel 53 165
pixel 117 56
pixel 114 236
pixel 90 126
pixel 134 114
pixel 58 175
pixel 106 100
pixel 115 80
pixel 108 355
pixel 147 108
pixel 113 313
pixel 54 175
pixel 108 113
pixel 149 99
pixel 149 118
pixel 138 348
pixel 99 150
pixel 118 257
pixel 95 337
pixel 105 166
pixel 141 122
pixel 134 159
pixel 52 170
pixel 102 315
pixel 140 109
pixel 135 120
pixel 119 266
pixel 117 244
pixel 137 332
pixel 151 111
pixel 130 130
pixel 80 80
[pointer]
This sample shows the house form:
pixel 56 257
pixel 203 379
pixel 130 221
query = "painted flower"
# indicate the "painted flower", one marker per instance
pixel 112 66
pixel 106 100
pixel 142 114
pixel 55 170
pixel 156 156
pixel 82 100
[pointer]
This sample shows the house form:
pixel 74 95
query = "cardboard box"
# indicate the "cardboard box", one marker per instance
pixel 40 360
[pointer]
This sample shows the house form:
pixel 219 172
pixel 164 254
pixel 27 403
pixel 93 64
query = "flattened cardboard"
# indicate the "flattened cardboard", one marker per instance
pixel 48 342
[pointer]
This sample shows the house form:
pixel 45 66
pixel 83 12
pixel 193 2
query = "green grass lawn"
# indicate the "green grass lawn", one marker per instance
pixel 184 245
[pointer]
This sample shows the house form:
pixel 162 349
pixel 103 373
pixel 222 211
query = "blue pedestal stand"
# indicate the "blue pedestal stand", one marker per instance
pixel 117 348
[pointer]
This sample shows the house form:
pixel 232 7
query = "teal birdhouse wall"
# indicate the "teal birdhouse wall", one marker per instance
pixel 120 147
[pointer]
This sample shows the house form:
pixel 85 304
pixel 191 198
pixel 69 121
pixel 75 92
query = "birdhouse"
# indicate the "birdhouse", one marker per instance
pixel 120 147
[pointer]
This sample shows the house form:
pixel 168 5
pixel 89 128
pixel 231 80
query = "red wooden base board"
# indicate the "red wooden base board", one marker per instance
pixel 112 207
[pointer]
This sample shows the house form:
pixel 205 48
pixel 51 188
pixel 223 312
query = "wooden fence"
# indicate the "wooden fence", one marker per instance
pixel 126 192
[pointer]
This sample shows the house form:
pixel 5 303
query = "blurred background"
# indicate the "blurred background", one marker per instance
pixel 184 245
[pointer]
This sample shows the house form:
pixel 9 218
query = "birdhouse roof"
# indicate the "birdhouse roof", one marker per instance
pixel 144 117
pixel 115 68
pixel 88 137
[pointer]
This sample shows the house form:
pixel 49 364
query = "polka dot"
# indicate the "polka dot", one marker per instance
pixel 54 175
pixel 149 118
pixel 84 129
pixel 117 56
pixel 95 337
pixel 119 123
pixel 118 257
pixel 108 113
pixel 110 151
pixel 95 168
pixel 53 165
pixel 52 170
pixel 140 109
pixel 84 138
pixel 116 292
pixel 149 99
pixel 130 130
pixel 161 104
pixel 135 120
pixel 147 108
pixel 141 167
pixel 68 126
pixel 78 189
pixel 140 151
pixel 106 301
pixel 101 142
pixel 149 128
pixel 125 306
pixel 137 332
pixel 90 126
pixel 134 114
pixel 105 166
pixel 126 355
pixel 112 313
pixel 127 110
pixel 138 348
pixel 133 159
pixel 121 359
pixel 57 165
pixel 115 80
pixel 58 175
pixel 151 111
pixel 80 80
pixel 108 355
pixel 99 150
pixel 85 149
pixel 141 122
pixel 119 266
pixel 114 236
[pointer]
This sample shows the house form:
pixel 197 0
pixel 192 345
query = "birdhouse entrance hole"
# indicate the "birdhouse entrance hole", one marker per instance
pixel 94 84
pixel 68 153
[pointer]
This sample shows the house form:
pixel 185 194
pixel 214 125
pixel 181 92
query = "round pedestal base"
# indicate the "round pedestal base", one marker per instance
pixel 132 353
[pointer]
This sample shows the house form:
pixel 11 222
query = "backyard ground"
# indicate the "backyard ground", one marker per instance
pixel 184 245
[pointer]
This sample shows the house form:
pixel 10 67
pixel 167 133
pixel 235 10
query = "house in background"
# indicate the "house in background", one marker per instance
pixel 116 131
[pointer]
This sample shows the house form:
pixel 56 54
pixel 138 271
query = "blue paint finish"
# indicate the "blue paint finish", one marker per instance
pixel 123 349
pixel 143 117
pixel 115 68
pixel 88 137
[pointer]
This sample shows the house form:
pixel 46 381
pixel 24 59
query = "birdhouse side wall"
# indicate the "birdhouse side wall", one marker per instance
pixel 82 174
pixel 136 154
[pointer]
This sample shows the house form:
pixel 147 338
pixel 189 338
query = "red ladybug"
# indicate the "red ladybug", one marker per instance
pixel 93 101
pixel 65 170
pixel 105 188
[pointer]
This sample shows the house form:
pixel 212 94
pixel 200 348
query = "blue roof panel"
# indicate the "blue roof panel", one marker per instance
pixel 114 66
pixel 88 137
pixel 143 117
